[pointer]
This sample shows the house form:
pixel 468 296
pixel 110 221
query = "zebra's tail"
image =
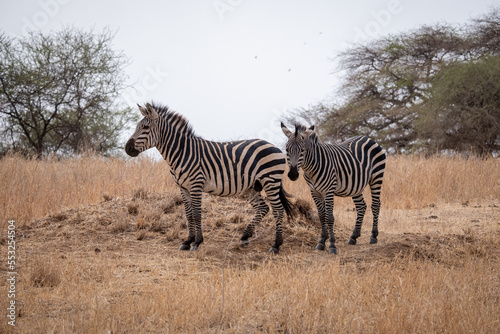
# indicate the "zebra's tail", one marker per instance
pixel 285 202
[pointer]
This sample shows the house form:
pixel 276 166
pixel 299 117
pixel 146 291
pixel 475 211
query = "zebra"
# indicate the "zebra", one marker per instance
pixel 219 168
pixel 337 170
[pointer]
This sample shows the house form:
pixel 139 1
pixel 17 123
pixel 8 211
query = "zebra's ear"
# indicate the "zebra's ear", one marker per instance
pixel 151 112
pixel 143 110
pixel 285 130
pixel 310 134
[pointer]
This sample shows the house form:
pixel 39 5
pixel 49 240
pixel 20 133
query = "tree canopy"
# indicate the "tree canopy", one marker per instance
pixel 395 86
pixel 462 111
pixel 59 92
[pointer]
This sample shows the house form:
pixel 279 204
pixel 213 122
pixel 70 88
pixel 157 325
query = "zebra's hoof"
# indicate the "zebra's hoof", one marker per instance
pixel 274 250
pixel 320 247
pixel 184 247
pixel 373 240
pixel 244 243
pixel 351 241
pixel 332 250
pixel 194 248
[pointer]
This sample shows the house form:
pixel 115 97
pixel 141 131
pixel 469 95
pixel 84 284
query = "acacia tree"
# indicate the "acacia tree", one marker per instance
pixel 59 92
pixel 463 109
pixel 385 79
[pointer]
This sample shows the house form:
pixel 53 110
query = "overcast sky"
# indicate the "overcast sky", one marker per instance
pixel 233 67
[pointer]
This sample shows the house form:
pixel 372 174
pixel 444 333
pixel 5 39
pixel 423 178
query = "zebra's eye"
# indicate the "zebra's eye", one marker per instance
pixel 146 127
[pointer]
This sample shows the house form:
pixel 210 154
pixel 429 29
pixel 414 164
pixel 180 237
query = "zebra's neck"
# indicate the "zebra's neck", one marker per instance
pixel 173 143
pixel 313 150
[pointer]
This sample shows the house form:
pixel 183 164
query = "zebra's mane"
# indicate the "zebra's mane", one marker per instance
pixel 182 124
pixel 299 128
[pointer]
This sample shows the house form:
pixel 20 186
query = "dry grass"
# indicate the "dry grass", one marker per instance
pixel 413 182
pixel 98 238
pixel 35 188
pixel 44 273
pixel 32 188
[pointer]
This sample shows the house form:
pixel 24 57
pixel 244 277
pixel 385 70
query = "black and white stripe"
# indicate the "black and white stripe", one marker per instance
pixel 219 168
pixel 337 170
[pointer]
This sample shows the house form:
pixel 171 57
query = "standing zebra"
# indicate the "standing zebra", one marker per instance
pixel 337 170
pixel 224 169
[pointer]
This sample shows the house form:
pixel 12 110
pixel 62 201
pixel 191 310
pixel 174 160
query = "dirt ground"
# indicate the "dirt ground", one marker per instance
pixel 127 246
pixel 152 226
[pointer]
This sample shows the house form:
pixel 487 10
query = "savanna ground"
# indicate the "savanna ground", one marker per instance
pixel 97 244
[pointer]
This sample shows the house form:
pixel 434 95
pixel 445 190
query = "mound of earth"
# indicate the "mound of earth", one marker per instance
pixel 148 224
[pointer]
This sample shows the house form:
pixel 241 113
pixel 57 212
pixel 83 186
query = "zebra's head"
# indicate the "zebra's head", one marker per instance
pixel 146 132
pixel 296 147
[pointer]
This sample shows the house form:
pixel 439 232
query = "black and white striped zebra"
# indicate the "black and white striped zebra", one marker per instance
pixel 219 168
pixel 337 170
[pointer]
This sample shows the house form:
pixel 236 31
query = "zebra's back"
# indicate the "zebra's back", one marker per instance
pixel 355 164
pixel 231 168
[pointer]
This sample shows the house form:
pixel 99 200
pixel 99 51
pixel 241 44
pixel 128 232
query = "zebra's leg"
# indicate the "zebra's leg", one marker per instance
pixel 196 195
pixel 272 192
pixel 375 187
pixel 260 210
pixel 330 220
pixel 186 199
pixel 360 204
pixel 320 204
pixel 375 211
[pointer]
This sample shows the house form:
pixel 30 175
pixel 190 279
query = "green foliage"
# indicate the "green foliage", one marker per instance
pixel 59 92
pixel 463 110
pixel 390 82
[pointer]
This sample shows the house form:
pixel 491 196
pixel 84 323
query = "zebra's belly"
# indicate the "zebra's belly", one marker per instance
pixel 220 189
pixel 349 190
pixel 346 193
pixel 211 187
pixel 340 190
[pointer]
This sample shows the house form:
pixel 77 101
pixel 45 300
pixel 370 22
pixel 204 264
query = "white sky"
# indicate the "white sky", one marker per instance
pixel 233 67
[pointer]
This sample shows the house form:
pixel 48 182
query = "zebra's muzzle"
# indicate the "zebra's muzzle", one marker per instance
pixel 130 148
pixel 293 174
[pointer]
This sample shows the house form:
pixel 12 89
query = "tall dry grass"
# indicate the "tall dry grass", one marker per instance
pixel 34 188
pixel 413 182
pixel 81 277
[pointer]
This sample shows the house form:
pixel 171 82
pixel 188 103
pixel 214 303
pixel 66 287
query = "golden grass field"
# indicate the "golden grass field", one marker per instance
pixel 97 244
